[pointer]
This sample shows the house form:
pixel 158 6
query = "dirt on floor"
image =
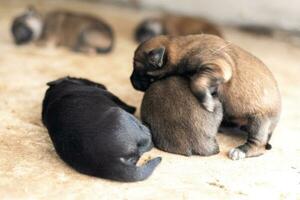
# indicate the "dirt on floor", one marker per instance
pixel 31 169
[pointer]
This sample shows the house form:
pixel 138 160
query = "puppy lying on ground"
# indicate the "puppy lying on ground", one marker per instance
pixel 92 132
pixel 245 86
pixel 177 121
pixel 175 26
pixel 79 32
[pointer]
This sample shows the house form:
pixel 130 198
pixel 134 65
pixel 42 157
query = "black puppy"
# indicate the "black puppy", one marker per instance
pixel 92 132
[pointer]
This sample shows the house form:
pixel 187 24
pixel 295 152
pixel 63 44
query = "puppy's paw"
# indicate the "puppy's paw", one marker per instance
pixel 209 105
pixel 236 154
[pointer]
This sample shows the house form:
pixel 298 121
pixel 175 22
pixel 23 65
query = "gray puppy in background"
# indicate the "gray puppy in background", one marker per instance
pixel 178 123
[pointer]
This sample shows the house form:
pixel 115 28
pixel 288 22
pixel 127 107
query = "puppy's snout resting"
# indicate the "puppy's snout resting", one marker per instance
pixel 140 82
pixel 93 131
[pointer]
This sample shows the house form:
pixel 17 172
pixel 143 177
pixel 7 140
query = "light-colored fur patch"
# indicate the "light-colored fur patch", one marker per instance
pixel 36 26
pixel 156 27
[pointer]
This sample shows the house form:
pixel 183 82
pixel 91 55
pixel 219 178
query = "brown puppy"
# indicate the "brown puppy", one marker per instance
pixel 175 26
pixel 245 86
pixel 79 32
pixel 177 122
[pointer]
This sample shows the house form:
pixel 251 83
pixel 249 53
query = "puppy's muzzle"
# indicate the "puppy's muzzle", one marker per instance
pixel 140 82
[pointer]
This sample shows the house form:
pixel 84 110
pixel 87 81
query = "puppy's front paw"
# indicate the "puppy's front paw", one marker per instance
pixel 209 105
pixel 236 154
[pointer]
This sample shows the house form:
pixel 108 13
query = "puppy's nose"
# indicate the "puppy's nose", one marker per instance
pixel 139 82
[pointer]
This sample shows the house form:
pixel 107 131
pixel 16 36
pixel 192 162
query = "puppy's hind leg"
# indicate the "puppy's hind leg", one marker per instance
pixel 208 148
pixel 204 84
pixel 258 135
pixel 99 39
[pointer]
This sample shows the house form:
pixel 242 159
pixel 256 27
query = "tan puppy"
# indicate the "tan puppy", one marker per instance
pixel 244 85
pixel 79 32
pixel 177 122
pixel 175 26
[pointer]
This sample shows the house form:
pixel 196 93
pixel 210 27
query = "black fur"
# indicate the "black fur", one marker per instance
pixel 93 134
pixel 144 31
pixel 22 34
pixel 151 61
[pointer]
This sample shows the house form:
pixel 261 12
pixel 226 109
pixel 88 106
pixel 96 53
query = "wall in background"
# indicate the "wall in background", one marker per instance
pixel 283 14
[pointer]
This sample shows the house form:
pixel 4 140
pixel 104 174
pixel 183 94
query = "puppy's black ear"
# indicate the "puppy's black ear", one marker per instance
pixel 156 57
pixel 58 81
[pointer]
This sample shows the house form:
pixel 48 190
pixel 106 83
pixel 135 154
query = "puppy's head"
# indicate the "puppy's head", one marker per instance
pixel 149 29
pixel 27 26
pixel 150 61
pixel 75 81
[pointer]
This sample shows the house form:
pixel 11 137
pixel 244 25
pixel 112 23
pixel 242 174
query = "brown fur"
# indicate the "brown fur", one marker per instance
pixel 177 121
pixel 175 25
pixel 184 25
pixel 245 86
pixel 79 32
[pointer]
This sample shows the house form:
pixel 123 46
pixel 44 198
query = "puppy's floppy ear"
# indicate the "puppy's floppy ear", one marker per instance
pixel 156 57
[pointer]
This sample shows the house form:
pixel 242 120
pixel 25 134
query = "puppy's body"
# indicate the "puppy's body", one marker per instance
pixel 79 32
pixel 93 134
pixel 174 26
pixel 177 122
pixel 245 86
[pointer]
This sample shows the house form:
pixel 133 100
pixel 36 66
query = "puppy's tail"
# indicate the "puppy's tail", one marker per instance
pixel 127 172
pixel 100 37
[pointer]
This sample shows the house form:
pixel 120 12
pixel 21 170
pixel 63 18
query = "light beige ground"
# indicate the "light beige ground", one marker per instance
pixel 30 168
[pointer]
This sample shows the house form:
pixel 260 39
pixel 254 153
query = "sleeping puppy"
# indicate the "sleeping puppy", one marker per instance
pixel 94 132
pixel 79 32
pixel 177 122
pixel 175 26
pixel 245 86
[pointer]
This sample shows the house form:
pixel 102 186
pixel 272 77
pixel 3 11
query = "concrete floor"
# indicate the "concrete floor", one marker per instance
pixel 30 168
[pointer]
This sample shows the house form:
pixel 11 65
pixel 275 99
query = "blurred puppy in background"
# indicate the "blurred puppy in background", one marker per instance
pixel 175 26
pixel 79 32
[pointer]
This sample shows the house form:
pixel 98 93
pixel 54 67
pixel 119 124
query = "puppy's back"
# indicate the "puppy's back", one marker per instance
pixel 76 30
pixel 93 134
pixel 184 25
pixel 177 121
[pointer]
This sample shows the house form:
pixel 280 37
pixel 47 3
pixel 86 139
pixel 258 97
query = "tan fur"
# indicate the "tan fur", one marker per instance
pixel 247 78
pixel 175 25
pixel 245 86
